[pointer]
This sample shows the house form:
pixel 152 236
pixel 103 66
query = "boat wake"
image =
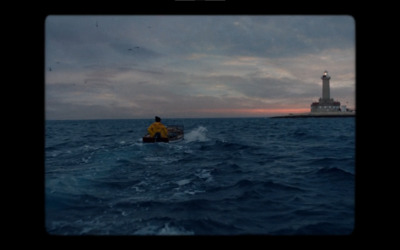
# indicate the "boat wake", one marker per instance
pixel 197 134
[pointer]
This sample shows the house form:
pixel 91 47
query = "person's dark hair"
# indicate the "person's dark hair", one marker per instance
pixel 158 119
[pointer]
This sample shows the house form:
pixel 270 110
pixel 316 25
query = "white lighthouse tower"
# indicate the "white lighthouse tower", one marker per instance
pixel 326 103
pixel 325 87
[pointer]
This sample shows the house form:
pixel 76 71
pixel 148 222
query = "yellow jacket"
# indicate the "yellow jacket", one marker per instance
pixel 157 127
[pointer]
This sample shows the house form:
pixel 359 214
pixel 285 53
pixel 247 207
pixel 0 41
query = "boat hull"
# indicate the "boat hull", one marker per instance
pixel 149 139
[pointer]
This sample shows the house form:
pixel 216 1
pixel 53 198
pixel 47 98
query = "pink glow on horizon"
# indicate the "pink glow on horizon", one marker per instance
pixel 253 112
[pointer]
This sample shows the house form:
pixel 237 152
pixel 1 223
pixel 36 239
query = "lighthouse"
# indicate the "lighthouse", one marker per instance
pixel 326 103
pixel 326 106
pixel 325 86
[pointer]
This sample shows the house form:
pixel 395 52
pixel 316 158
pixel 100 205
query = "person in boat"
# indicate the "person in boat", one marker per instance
pixel 157 129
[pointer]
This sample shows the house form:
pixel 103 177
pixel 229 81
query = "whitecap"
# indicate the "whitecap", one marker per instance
pixel 205 174
pixel 183 182
pixel 171 230
pixel 193 192
pixel 197 134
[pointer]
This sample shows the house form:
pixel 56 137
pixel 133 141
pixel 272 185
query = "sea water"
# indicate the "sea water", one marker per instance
pixel 238 176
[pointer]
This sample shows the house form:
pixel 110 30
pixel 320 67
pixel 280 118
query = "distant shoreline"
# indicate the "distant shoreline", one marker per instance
pixel 318 115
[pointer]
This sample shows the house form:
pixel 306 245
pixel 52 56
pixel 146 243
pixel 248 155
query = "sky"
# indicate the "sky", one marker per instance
pixel 140 66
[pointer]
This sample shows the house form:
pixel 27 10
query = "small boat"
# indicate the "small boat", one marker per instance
pixel 175 133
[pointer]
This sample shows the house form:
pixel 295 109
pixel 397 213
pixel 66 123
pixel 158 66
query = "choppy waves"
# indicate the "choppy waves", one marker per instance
pixel 260 177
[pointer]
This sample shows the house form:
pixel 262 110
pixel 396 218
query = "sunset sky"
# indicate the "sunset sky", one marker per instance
pixel 122 67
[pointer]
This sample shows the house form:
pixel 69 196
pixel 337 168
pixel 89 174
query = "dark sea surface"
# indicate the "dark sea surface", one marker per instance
pixel 227 177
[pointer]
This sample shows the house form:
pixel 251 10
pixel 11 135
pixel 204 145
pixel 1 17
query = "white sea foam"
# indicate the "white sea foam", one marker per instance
pixel 205 174
pixel 167 229
pixel 197 134
pixel 171 230
pixel 183 182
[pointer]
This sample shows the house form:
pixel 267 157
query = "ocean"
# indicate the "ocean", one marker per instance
pixel 233 176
